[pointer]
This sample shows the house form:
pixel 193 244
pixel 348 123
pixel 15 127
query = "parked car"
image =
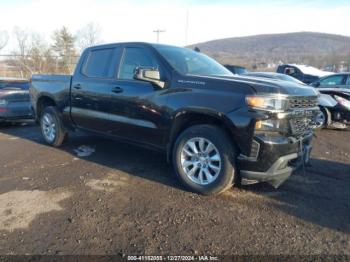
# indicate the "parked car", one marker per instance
pixel 276 76
pixel 335 99
pixel 14 99
pixel 216 128
pixel 238 70
pixel 304 73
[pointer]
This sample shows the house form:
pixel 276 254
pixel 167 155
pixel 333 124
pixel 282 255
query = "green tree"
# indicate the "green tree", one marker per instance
pixel 64 48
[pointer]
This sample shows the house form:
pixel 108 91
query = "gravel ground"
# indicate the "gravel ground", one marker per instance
pixel 96 196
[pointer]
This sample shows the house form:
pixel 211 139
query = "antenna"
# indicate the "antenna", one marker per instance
pixel 158 31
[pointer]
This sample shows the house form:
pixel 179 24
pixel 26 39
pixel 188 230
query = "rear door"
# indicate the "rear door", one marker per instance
pixel 92 85
pixel 347 83
pixel 345 89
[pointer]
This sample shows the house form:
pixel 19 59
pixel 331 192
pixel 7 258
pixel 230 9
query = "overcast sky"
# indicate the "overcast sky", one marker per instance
pixel 135 20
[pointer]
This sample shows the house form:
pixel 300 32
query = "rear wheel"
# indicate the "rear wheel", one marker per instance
pixel 204 159
pixel 51 127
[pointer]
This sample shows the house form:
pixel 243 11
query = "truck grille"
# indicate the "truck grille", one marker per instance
pixel 303 102
pixel 300 125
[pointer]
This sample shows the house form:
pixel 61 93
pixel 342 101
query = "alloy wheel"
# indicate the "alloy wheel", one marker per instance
pixel 48 126
pixel 201 161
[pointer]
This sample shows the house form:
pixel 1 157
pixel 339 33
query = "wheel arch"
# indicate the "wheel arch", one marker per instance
pixel 328 116
pixel 190 117
pixel 42 102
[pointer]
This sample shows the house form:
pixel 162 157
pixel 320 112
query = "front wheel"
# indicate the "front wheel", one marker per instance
pixel 51 127
pixel 323 118
pixel 204 159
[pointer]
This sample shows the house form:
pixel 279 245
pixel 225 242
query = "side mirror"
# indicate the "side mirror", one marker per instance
pixel 149 75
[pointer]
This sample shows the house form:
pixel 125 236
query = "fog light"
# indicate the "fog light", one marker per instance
pixel 258 124
pixel 254 151
pixel 268 125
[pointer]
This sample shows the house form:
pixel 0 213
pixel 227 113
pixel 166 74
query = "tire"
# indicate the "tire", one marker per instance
pixel 324 116
pixel 50 121
pixel 195 176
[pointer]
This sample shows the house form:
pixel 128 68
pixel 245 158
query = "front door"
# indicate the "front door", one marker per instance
pixel 138 108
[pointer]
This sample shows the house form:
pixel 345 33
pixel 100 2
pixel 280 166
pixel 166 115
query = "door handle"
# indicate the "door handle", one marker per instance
pixel 117 89
pixel 77 86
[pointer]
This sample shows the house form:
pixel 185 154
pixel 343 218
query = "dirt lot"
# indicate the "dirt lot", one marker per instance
pixel 122 199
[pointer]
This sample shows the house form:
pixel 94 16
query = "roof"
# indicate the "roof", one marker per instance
pixel 310 70
pixel 111 45
pixel 339 74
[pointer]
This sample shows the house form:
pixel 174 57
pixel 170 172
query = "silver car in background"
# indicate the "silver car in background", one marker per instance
pixel 335 99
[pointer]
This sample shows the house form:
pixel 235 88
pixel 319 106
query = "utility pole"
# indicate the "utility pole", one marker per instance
pixel 186 28
pixel 158 31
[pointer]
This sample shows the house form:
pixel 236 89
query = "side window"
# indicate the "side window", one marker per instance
pixel 348 81
pixel 135 57
pixel 99 63
pixel 289 71
pixel 292 71
pixel 332 80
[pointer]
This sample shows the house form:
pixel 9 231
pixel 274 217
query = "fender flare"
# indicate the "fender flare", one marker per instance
pixel 177 115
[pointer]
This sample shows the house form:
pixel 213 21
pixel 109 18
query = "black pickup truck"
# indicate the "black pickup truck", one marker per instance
pixel 217 129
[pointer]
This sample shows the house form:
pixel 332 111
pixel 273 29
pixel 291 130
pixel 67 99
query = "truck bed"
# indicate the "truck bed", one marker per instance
pixel 51 82
pixel 56 87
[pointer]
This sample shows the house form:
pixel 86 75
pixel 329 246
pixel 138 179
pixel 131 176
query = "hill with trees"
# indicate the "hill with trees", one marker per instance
pixel 317 49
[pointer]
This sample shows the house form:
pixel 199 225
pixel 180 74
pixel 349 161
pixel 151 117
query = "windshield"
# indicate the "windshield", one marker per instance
pixel 189 62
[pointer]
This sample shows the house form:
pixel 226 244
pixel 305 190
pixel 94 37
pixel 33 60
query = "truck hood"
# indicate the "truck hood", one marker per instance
pixel 262 85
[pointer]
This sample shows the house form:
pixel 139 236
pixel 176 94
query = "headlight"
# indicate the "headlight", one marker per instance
pixel 344 102
pixel 272 103
pixel 3 102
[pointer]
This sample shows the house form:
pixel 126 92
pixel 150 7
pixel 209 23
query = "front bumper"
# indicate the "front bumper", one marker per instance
pixel 276 160
pixel 340 113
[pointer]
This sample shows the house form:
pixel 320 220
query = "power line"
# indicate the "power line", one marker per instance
pixel 50 56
